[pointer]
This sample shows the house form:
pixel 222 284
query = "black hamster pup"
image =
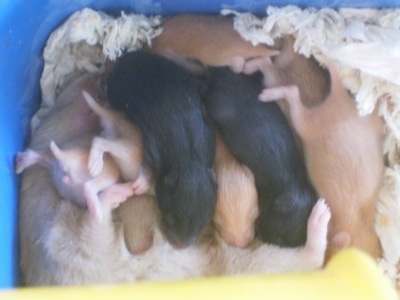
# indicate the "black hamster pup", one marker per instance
pixel 259 136
pixel 163 99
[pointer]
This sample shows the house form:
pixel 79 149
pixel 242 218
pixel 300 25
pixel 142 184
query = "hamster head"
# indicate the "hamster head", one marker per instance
pixel 186 198
pixel 284 222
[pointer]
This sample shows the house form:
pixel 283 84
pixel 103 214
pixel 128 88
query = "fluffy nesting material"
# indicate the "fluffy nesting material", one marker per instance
pixel 82 43
pixel 365 44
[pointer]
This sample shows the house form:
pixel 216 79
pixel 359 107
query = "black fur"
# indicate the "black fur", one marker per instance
pixel 163 100
pixel 259 136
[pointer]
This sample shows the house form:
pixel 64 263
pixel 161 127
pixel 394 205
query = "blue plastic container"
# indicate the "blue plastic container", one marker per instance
pixel 24 29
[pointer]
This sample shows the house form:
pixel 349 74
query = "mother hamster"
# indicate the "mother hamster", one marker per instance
pixel 259 136
pixel 179 145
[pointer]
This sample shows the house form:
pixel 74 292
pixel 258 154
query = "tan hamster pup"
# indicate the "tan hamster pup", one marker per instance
pixel 237 202
pixel 209 39
pixel 39 201
pixel 138 216
pixel 344 157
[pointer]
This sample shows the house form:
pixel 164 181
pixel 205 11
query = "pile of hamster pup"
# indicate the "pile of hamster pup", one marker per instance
pixel 125 189
pixel 343 150
pixel 63 243
pixel 276 163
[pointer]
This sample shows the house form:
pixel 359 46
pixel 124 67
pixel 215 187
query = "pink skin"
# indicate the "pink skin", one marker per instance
pixel 317 229
pixel 211 40
pixel 122 140
pixel 26 159
pixel 40 204
pixel 113 196
pixel 343 153
pixel 71 176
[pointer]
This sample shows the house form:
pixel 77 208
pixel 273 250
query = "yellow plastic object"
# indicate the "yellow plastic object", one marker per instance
pixel 349 275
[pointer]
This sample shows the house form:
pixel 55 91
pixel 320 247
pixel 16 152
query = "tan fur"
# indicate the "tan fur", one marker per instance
pixel 39 200
pixel 70 108
pixel 139 215
pixel 237 203
pixel 61 244
pixel 343 152
pixel 260 257
pixel 90 252
pixel 292 68
pixel 38 205
pixel 123 141
pixel 70 119
pixel 75 249
pixel 85 250
pixel 209 39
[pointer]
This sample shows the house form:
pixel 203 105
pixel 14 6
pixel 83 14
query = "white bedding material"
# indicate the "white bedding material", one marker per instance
pixel 365 43
pixel 81 45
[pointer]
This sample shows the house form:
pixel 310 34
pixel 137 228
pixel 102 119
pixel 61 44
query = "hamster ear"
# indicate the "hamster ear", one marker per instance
pixel 286 55
pixel 57 152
